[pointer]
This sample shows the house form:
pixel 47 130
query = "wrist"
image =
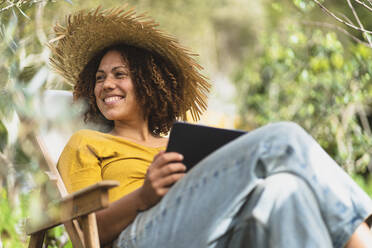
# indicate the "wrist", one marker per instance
pixel 142 203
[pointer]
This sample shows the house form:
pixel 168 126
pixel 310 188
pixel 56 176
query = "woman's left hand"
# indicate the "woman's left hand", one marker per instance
pixel 165 170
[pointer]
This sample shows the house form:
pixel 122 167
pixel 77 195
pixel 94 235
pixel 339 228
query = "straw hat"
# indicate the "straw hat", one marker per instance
pixel 87 32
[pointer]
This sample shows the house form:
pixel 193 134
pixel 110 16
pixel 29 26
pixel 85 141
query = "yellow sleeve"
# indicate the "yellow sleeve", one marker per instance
pixel 79 163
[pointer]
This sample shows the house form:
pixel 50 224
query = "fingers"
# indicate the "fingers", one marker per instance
pixel 161 185
pixel 171 168
pixel 165 170
pixel 164 158
pixel 168 181
pixel 176 169
pixel 156 175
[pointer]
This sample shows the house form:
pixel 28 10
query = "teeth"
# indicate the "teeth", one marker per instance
pixel 112 99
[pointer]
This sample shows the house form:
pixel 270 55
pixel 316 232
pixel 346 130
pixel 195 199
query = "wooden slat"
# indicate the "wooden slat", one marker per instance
pixel 89 227
pixel 82 202
pixel 74 232
pixel 37 239
pixel 47 164
pixel 72 227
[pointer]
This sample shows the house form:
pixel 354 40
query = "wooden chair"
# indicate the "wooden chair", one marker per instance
pixel 79 205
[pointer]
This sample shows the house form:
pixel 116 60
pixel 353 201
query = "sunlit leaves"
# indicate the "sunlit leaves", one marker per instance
pixel 313 79
pixel 3 137
pixel 364 183
pixel 10 220
pixel 22 80
pixel 337 60
pixel 319 64
pixel 305 5
pixel 363 51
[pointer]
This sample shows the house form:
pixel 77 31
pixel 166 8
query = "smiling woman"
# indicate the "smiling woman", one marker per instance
pixel 114 90
pixel 138 81
pixel 144 78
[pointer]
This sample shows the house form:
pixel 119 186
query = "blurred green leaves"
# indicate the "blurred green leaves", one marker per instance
pixel 12 220
pixel 22 79
pixel 365 183
pixel 304 5
pixel 3 137
pixel 303 71
pixel 312 78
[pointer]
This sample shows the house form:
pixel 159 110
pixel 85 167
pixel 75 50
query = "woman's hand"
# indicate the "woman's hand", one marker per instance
pixel 165 170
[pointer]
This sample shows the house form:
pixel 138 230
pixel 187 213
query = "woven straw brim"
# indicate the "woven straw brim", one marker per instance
pixel 88 32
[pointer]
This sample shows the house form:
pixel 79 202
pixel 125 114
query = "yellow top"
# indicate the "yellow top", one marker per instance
pixel 92 156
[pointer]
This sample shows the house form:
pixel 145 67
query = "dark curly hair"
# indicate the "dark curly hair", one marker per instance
pixel 155 82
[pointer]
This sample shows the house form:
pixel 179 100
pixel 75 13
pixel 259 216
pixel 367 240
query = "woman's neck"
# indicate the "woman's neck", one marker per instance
pixel 135 130
pixel 138 133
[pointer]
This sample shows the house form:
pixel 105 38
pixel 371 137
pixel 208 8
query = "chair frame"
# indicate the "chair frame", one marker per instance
pixel 80 205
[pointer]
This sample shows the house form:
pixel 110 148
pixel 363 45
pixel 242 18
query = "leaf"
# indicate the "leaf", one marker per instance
pixel 21 158
pixel 68 245
pixel 27 73
pixel 3 136
pixel 11 124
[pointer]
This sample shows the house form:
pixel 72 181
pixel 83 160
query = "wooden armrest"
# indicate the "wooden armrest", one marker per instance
pixel 79 203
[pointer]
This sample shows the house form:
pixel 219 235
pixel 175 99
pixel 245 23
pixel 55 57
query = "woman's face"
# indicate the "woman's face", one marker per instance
pixel 114 89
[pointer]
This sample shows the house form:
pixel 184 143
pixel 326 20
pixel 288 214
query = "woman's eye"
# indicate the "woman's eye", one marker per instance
pixel 120 74
pixel 99 78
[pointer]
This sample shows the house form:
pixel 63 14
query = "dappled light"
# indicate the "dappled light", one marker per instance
pixel 305 61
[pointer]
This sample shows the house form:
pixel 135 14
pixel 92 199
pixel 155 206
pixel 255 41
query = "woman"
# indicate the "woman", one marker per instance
pixel 274 187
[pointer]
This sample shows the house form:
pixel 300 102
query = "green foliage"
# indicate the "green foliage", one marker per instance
pixel 304 5
pixel 3 136
pixel 11 220
pixel 317 81
pixel 23 76
pixel 56 238
pixel 364 183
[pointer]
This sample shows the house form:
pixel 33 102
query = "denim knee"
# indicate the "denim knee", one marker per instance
pixel 288 129
pixel 283 147
pixel 287 135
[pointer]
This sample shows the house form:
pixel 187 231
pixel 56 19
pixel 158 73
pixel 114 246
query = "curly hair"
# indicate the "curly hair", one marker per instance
pixel 157 89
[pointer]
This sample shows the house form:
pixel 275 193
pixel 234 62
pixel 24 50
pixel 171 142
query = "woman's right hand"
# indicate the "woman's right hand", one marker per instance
pixel 166 169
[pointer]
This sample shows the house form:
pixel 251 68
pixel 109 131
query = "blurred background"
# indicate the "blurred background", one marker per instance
pixel 306 61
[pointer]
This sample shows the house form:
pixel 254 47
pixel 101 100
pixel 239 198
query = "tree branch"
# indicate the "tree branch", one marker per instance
pixel 7 7
pixel 18 4
pixel 358 21
pixel 370 2
pixel 332 26
pixel 364 4
pixel 346 18
pixel 339 19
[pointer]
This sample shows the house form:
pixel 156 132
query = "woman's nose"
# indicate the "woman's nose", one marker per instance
pixel 108 83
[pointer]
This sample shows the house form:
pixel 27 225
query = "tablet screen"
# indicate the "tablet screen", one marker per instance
pixel 195 142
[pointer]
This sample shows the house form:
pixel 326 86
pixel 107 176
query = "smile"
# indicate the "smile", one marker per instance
pixel 113 99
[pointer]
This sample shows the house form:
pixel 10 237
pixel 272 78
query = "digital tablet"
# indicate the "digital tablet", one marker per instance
pixel 195 142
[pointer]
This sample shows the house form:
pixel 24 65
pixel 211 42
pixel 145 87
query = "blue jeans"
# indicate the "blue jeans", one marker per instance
pixel 273 187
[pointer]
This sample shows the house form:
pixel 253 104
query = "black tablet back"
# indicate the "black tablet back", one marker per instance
pixel 195 142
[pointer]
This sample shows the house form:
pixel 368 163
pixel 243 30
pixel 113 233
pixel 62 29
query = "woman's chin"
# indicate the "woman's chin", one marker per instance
pixel 115 117
pixel 111 117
